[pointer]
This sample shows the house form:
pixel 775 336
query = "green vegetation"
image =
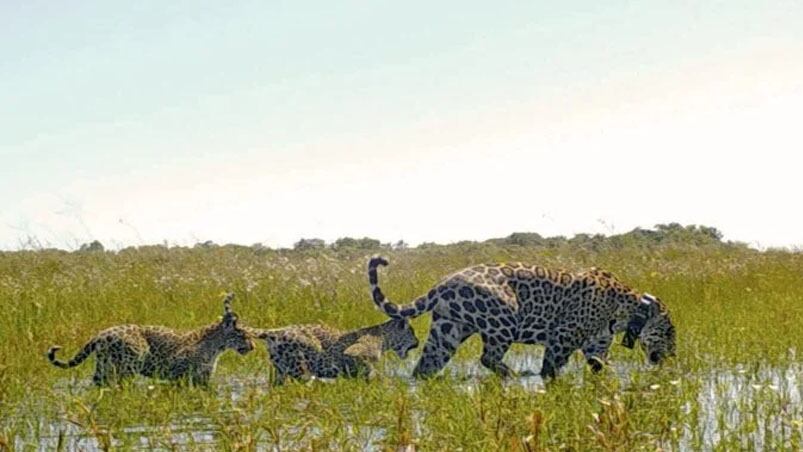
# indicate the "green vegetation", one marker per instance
pixel 736 383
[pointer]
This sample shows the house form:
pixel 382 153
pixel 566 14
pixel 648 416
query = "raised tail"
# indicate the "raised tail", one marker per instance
pixel 420 306
pixel 88 349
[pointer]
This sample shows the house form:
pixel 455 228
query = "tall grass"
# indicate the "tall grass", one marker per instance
pixel 736 382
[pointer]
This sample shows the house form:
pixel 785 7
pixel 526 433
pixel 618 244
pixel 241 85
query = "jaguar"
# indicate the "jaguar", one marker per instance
pixel 124 351
pixel 530 304
pixel 303 351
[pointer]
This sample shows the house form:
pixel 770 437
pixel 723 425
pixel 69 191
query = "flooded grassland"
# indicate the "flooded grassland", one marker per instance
pixel 735 384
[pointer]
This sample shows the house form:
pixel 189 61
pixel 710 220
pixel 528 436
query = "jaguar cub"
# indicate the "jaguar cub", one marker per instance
pixel 301 351
pixel 124 351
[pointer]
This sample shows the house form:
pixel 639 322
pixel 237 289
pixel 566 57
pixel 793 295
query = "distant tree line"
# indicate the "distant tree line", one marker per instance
pixel 662 234
pixel 344 243
pixel 674 233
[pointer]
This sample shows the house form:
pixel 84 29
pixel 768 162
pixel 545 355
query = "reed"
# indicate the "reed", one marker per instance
pixel 736 382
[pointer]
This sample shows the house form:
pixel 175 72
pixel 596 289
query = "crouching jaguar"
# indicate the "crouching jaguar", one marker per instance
pixel 302 351
pixel 154 351
pixel 519 303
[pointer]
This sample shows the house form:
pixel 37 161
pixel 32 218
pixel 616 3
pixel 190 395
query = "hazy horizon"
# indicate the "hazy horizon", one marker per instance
pixel 253 122
pixel 32 243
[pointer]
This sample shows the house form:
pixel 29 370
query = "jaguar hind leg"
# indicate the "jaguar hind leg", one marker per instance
pixel 493 351
pixel 445 336
pixel 102 376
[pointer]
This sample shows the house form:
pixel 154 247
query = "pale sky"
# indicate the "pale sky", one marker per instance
pixel 242 122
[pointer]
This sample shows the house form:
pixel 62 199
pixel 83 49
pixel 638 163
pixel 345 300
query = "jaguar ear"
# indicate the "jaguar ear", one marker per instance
pixel 230 320
pixel 645 310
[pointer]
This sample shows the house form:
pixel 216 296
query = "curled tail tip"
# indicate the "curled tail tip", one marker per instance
pixel 51 352
pixel 377 261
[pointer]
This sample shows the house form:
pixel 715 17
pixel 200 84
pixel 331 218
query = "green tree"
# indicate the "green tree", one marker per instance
pixel 309 244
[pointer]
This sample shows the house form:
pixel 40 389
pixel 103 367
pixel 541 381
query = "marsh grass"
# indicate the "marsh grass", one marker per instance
pixel 736 382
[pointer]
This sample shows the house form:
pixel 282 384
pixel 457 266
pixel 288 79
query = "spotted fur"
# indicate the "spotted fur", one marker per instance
pixel 529 304
pixel 301 351
pixel 124 351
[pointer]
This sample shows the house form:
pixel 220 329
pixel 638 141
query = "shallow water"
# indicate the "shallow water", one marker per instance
pixel 726 398
pixel 729 398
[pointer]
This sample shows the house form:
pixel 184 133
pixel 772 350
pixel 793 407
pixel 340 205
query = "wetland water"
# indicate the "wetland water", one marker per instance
pixel 739 400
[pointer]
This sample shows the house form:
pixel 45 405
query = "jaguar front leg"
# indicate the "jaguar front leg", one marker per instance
pixel 558 350
pixel 596 351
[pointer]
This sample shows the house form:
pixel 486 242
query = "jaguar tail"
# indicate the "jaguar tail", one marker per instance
pixel 418 307
pixel 82 355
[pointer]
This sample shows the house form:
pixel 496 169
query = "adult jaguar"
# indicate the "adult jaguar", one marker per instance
pixel 519 303
pixel 154 351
